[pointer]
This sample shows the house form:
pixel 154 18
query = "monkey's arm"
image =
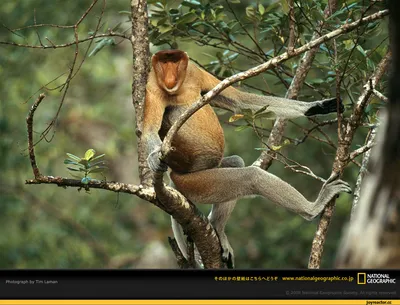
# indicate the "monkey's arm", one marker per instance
pixel 234 100
pixel 153 114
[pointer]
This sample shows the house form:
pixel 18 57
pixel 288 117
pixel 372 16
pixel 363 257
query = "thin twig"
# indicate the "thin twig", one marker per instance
pixel 31 146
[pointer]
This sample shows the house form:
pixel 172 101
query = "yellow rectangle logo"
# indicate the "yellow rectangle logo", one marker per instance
pixel 361 278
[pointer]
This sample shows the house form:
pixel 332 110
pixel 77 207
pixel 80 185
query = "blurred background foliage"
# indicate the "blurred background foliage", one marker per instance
pixel 49 227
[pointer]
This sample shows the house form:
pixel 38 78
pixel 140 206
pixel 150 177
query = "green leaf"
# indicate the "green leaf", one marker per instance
pixel 89 154
pixel 250 12
pixel 262 109
pixel 276 148
pixel 361 50
pixel 285 6
pixel 174 11
pixel 261 9
pixel 272 6
pixel 243 127
pixel 116 27
pixel 98 157
pixel 348 44
pixel 68 161
pixel 73 157
pixel 165 35
pixel 84 162
pixel 101 44
pixel 91 164
pixel 234 1
pixel 247 112
pixel 73 169
pixel 159 5
pixel 162 21
pixel 191 3
pixel 125 12
pixel 187 18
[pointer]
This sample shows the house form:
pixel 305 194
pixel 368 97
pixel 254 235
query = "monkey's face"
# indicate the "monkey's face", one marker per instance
pixel 170 68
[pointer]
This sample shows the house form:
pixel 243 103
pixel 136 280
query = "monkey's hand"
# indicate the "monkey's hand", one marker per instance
pixel 331 188
pixel 325 107
pixel 154 162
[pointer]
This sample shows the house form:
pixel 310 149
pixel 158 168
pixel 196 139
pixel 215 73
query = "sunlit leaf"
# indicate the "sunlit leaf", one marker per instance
pixel 261 9
pixel 250 12
pixel 235 117
pixel 89 154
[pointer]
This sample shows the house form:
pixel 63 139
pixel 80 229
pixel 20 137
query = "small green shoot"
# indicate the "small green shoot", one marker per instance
pixel 82 167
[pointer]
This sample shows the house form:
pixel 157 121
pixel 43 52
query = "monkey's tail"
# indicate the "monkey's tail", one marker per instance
pixel 181 241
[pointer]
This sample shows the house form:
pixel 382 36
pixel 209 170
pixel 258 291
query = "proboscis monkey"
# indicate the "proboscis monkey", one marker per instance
pixel 198 169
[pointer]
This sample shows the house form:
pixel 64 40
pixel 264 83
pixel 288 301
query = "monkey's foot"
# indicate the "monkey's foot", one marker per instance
pixel 154 162
pixel 227 250
pixel 332 188
pixel 325 106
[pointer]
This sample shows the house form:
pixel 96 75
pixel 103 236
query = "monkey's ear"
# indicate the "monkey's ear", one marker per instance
pixel 187 54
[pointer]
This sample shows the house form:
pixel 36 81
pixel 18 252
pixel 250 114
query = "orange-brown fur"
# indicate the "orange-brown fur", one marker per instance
pixel 199 144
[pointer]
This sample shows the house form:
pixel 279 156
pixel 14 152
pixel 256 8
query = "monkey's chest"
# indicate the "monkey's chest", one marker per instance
pixel 199 143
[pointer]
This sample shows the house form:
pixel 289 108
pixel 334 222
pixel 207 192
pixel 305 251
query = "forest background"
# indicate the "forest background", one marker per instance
pixel 48 227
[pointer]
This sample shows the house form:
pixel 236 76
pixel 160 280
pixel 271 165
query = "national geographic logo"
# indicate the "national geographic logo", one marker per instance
pixel 374 278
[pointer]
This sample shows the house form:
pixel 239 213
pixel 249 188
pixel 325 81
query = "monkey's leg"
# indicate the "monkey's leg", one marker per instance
pixel 220 185
pixel 221 212
pixel 218 217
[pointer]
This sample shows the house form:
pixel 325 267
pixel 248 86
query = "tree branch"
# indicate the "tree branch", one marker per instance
pixel 140 72
pixel 63 45
pixel 362 172
pixel 342 158
pixel 29 124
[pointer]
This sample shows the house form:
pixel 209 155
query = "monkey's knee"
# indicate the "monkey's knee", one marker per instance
pixel 232 161
pixel 188 185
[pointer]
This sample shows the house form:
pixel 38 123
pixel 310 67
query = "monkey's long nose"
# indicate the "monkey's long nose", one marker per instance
pixel 170 81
